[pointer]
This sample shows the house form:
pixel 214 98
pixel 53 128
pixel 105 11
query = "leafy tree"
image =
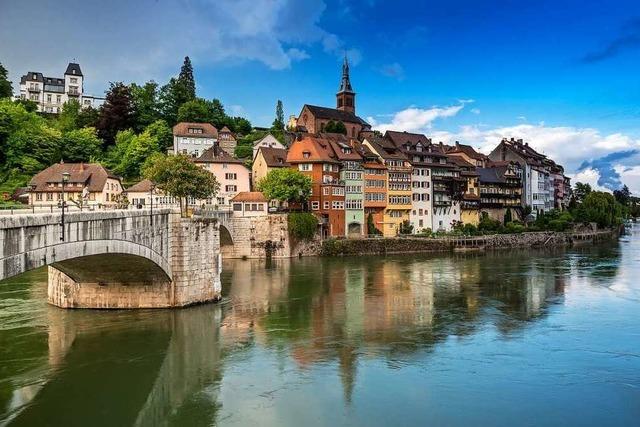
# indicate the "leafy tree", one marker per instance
pixel 601 208
pixel 80 145
pixel 243 151
pixel 186 79
pixel 68 119
pixel 219 118
pixel 302 225
pixel 88 117
pixel 580 191
pixel 278 123
pixel 623 195
pixel 180 177
pixel 117 113
pixel 340 128
pixel 162 134
pixel 145 103
pixel 28 105
pixel 241 126
pixel 6 89
pixel 197 111
pixel 131 151
pixel 286 185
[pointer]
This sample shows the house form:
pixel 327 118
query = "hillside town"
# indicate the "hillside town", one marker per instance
pixel 363 182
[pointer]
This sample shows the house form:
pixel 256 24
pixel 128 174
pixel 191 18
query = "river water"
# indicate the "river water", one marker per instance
pixel 532 338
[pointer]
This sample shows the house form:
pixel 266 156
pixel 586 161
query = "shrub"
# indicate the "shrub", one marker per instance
pixel 302 225
pixel 243 151
pixel 514 227
pixel 489 225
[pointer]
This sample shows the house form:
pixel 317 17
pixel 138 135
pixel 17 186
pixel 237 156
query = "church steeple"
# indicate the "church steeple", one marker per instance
pixel 346 97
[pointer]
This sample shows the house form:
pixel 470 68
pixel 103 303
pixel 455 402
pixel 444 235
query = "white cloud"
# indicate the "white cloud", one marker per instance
pixel 587 176
pixel 567 145
pixel 631 177
pixel 475 110
pixel 414 119
pixel 112 43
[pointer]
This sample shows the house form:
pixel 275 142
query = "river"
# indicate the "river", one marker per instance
pixel 531 337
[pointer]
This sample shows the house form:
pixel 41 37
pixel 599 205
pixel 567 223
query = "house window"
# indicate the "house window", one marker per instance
pixel 337 205
pixel 305 167
pixel 49 97
pixel 231 176
pixel 230 188
pixel 326 190
pixel 49 196
pixel 237 207
pixel 315 205
pixel 326 205
pixel 38 196
pixel 306 155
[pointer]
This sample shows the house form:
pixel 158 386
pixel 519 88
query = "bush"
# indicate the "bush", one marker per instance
pixel 243 151
pixel 302 225
pixel 514 227
pixel 489 225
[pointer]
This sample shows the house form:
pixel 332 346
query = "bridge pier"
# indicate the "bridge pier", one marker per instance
pixel 117 259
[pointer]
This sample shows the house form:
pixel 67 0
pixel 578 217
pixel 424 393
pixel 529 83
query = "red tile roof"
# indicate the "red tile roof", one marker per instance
pixel 317 150
pixel 250 196
pixel 208 130
pixel 92 175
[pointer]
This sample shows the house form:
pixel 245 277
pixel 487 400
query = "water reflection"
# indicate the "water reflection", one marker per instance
pixel 278 325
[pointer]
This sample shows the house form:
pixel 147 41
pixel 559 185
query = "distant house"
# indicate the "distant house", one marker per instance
pixel 266 160
pixel 89 182
pixel 192 139
pixel 268 141
pixel 230 173
pixel 139 196
pixel 227 140
pixel 249 203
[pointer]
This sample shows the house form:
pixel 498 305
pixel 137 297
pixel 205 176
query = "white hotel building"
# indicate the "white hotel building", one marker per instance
pixel 50 93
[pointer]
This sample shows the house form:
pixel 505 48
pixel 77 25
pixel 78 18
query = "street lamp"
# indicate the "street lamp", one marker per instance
pixel 151 188
pixel 65 179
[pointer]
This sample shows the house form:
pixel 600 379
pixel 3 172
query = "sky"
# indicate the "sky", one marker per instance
pixel 562 75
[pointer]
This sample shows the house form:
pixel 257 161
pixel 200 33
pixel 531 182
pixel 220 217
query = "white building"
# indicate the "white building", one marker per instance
pixel 268 141
pixel 192 139
pixel 50 93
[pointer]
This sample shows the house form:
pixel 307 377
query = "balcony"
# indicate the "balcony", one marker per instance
pixel 73 93
pixel 441 203
pixel 35 89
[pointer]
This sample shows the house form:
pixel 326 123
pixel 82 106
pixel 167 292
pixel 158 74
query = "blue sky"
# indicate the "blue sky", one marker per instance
pixel 564 75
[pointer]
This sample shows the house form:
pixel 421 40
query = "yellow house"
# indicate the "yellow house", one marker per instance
pixel 398 184
pixel 266 160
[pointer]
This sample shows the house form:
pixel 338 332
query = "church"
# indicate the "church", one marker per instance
pixel 313 119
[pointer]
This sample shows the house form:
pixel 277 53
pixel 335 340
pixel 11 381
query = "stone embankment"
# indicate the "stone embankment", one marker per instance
pixel 400 245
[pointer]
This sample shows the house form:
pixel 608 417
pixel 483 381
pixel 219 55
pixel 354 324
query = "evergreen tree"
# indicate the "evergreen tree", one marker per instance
pixel 278 123
pixel 117 113
pixel 6 89
pixel 186 79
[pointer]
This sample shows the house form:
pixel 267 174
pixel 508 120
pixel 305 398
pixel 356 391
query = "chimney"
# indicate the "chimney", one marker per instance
pixel 81 166
pixel 216 149
pixel 457 144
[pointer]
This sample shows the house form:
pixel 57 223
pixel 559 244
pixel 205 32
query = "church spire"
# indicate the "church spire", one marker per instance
pixel 346 97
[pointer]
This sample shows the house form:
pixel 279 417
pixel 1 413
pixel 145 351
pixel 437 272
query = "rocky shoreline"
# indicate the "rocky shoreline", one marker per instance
pixel 402 245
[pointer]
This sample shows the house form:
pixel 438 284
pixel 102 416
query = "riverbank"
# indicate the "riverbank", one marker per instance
pixel 402 245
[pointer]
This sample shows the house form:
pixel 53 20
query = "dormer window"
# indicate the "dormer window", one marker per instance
pixel 306 154
pixel 419 147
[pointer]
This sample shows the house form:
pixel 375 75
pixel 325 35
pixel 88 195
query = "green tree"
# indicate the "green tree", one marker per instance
pixel 145 103
pixel 80 145
pixel 278 122
pixel 406 227
pixel 340 128
pixel 68 119
pixel 186 79
pixel 28 105
pixel 335 127
pixel 88 117
pixel 286 185
pixel 197 111
pixel 6 88
pixel 580 191
pixel 180 177
pixel 162 133
pixel 372 230
pixel 131 151
pixel 117 112
pixel 623 195
pixel 601 208
pixel 241 126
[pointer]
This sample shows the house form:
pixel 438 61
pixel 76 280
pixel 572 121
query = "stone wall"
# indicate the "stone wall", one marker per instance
pixel 378 246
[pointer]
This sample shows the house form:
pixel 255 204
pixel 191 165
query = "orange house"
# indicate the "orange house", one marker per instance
pixel 315 158
pixel 375 187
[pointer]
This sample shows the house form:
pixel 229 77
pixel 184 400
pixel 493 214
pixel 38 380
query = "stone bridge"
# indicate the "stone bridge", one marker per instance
pixel 116 259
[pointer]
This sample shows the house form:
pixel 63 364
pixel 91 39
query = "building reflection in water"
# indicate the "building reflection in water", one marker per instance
pixel 159 367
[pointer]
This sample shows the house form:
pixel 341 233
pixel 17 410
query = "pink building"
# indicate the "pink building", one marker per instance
pixel 230 173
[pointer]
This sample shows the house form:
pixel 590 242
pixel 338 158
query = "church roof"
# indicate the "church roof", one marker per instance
pixel 335 115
